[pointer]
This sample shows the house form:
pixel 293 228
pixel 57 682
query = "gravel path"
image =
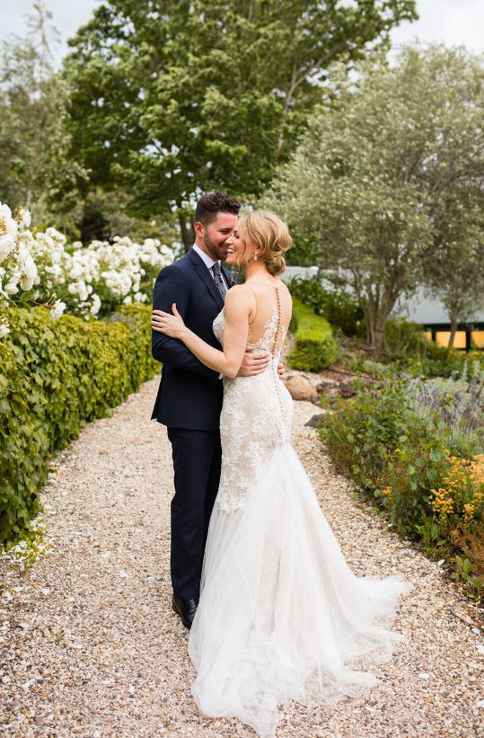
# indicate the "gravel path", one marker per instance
pixel 89 646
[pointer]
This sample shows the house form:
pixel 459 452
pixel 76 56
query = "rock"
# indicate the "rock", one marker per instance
pixel 347 390
pixel 315 421
pixel 301 388
pixel 328 387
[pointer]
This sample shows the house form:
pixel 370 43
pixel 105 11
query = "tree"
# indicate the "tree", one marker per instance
pixel 34 143
pixel 454 270
pixel 171 98
pixel 390 176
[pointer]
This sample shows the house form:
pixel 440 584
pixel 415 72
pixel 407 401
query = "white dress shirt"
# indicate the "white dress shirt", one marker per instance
pixel 209 262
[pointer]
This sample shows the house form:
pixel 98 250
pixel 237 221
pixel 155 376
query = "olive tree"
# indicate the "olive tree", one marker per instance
pixel 389 174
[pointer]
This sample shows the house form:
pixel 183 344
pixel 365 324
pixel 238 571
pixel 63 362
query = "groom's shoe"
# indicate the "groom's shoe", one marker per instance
pixel 186 609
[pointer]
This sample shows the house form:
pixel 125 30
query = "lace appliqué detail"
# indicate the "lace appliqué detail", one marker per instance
pixel 256 419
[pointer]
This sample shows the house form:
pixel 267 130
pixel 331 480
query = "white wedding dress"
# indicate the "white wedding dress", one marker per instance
pixel 281 616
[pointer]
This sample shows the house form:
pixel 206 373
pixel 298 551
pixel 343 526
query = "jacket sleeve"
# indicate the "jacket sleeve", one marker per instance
pixel 170 287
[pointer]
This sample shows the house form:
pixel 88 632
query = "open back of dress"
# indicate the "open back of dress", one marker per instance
pixel 269 327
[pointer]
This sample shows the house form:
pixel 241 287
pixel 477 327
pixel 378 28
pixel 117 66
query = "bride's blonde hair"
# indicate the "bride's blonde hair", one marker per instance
pixel 269 235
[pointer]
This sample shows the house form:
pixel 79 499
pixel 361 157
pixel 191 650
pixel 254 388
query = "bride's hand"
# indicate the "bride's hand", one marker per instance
pixel 170 325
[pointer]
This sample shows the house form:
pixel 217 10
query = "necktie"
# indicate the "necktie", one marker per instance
pixel 220 284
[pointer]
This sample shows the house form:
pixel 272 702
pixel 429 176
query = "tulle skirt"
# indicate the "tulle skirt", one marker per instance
pixel 281 615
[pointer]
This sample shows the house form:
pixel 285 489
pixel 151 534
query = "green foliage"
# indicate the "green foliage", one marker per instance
pixel 208 94
pixel 401 459
pixel 409 350
pixel 397 145
pixel 338 307
pixel 362 432
pixel 315 346
pixel 102 215
pixel 404 339
pixel 54 377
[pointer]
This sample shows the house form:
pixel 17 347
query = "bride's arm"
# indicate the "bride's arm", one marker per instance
pixel 238 308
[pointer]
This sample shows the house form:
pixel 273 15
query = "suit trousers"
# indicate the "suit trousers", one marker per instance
pixel 197 458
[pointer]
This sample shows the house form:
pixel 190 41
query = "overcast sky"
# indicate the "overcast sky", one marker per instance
pixel 454 22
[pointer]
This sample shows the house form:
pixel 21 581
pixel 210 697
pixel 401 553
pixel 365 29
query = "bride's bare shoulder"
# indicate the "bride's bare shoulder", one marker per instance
pixel 239 291
pixel 239 297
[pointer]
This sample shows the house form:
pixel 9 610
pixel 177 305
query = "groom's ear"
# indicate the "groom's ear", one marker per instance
pixel 199 229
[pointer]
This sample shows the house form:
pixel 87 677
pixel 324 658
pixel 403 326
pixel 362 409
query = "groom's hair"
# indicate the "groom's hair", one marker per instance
pixel 212 203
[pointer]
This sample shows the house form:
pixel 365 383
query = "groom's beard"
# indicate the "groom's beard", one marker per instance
pixel 217 251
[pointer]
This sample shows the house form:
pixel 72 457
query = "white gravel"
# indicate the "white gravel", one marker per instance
pixel 89 645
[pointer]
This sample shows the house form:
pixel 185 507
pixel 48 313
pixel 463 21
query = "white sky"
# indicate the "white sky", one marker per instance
pixel 454 22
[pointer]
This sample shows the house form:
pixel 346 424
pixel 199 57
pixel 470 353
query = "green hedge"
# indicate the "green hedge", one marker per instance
pixel 56 375
pixel 315 347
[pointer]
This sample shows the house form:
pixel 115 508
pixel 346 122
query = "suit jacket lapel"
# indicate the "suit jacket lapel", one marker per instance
pixel 202 272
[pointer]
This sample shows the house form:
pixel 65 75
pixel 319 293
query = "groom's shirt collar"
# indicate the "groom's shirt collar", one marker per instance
pixel 207 260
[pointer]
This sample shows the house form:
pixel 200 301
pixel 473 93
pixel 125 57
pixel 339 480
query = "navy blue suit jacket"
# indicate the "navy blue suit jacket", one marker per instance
pixel 190 395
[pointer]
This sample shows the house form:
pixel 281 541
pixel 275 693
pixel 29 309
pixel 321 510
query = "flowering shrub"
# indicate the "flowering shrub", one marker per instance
pixel 41 268
pixel 422 463
pixel 459 500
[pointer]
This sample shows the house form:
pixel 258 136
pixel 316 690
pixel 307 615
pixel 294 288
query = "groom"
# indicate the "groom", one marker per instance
pixel 190 395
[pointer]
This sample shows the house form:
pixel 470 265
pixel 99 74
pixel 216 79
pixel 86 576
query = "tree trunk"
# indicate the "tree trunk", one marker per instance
pixel 453 331
pixel 376 317
pixel 369 327
pixel 380 322
pixel 186 231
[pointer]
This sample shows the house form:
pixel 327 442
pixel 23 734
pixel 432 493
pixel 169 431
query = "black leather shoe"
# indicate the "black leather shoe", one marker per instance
pixel 186 609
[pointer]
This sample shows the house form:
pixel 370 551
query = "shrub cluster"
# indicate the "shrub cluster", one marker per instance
pixel 339 308
pixel 56 375
pixel 315 347
pixel 408 349
pixel 425 472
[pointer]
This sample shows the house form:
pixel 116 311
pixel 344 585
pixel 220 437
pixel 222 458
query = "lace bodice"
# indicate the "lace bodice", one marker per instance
pixel 256 418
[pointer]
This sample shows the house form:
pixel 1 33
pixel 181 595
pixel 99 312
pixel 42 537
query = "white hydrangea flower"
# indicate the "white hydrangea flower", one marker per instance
pixel 58 309
pixel 96 304
pixel 76 270
pixel 8 231
pixel 24 218
pixel 26 283
pixel 4 329
pixel 11 288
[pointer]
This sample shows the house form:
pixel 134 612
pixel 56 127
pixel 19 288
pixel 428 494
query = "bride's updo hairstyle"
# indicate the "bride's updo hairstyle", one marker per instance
pixel 270 237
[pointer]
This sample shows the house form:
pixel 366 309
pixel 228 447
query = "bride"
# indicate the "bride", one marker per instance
pixel 281 616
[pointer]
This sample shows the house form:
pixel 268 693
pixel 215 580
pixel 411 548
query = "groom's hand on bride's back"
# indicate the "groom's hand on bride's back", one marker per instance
pixel 254 363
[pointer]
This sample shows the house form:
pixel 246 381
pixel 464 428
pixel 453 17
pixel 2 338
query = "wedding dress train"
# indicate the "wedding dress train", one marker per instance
pixel 281 615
